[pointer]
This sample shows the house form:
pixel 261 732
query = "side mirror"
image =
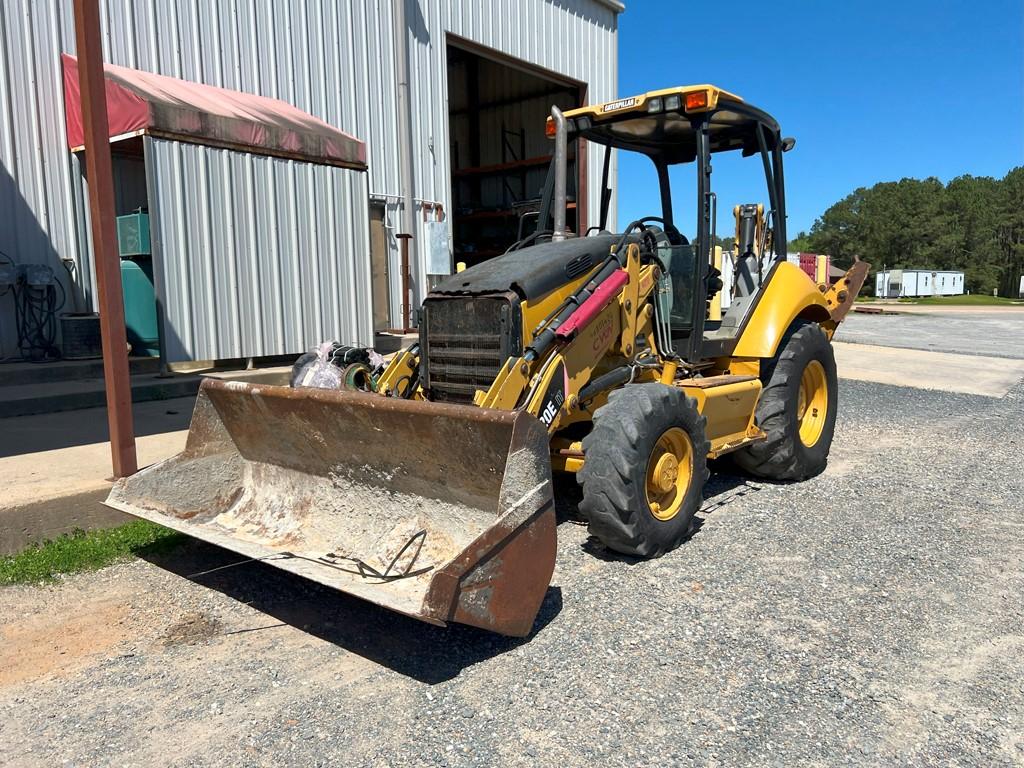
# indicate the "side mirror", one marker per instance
pixel 788 143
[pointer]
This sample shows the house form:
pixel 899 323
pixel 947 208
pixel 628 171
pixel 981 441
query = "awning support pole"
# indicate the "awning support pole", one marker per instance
pixel 107 261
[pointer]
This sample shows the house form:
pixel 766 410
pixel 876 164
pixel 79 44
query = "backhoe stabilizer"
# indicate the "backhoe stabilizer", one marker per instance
pixel 441 512
pixel 841 294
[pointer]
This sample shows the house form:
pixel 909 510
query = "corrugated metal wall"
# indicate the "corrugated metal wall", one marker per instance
pixel 331 58
pixel 40 189
pixel 252 231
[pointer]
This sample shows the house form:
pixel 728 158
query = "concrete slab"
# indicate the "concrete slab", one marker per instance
pixel 55 468
pixel 19 372
pixel 34 477
pixel 76 394
pixel 389 343
pixel 970 374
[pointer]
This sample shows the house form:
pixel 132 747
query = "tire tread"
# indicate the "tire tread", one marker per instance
pixel 781 456
pixel 614 462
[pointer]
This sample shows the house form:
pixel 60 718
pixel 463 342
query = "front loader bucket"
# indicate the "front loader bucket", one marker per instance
pixel 441 512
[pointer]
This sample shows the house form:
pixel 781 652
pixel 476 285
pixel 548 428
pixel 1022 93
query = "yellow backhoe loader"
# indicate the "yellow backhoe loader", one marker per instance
pixel 604 355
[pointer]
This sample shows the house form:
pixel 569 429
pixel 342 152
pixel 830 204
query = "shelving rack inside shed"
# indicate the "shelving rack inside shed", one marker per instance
pixel 499 153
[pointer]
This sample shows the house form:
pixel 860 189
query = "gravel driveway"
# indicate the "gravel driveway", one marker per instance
pixel 871 616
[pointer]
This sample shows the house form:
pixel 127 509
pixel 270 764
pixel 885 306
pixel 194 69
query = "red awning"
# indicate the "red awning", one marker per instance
pixel 141 102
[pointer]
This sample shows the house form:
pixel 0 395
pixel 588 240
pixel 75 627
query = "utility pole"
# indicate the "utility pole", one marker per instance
pixel 104 237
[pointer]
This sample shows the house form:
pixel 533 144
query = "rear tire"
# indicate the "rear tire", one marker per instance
pixel 645 465
pixel 797 408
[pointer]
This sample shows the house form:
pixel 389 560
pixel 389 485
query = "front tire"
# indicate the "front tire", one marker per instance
pixel 644 469
pixel 797 408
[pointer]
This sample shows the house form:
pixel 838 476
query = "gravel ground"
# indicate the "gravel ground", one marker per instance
pixel 871 616
pixel 996 334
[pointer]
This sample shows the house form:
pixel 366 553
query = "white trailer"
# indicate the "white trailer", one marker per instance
pixel 898 283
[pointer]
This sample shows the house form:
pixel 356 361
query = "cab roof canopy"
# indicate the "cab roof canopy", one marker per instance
pixel 663 124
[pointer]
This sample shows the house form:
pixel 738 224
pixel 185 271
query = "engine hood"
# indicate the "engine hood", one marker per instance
pixel 530 272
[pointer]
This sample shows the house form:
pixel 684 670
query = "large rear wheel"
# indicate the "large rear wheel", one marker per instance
pixel 797 408
pixel 644 469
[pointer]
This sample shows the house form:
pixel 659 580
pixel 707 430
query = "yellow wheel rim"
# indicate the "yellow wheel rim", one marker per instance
pixel 668 473
pixel 812 406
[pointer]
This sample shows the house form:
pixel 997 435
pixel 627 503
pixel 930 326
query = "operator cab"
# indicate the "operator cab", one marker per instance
pixel 677 126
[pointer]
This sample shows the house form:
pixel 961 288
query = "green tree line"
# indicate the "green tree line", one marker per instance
pixel 972 224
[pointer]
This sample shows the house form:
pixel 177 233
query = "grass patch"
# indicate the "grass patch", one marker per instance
pixel 85 551
pixel 975 299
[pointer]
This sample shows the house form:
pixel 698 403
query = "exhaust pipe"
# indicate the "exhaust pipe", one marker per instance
pixel 561 151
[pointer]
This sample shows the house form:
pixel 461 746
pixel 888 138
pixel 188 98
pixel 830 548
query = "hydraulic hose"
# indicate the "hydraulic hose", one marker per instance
pixel 543 341
pixel 614 378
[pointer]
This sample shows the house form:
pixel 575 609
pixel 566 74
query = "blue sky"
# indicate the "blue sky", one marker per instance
pixel 872 91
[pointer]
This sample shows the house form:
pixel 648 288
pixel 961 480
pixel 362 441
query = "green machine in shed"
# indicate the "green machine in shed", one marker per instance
pixel 137 283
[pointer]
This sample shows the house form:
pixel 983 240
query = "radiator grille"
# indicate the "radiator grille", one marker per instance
pixel 466 340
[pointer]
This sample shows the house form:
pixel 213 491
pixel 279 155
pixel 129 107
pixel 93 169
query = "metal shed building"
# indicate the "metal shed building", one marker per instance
pixel 483 77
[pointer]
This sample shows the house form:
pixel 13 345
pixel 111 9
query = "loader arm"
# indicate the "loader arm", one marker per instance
pixel 599 336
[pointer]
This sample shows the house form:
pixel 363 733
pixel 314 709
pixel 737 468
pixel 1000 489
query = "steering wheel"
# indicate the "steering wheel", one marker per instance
pixel 649 234
pixel 675 237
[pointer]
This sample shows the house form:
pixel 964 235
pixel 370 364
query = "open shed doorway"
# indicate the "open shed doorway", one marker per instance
pixel 497 108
